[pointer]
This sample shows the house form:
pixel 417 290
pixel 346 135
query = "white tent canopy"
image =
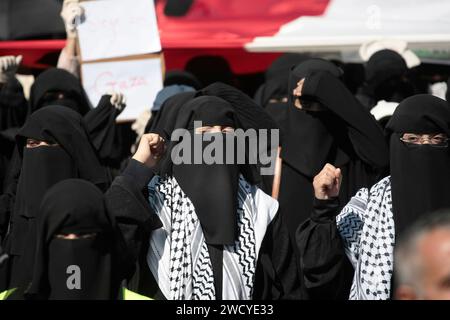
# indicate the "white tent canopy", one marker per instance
pixel 347 24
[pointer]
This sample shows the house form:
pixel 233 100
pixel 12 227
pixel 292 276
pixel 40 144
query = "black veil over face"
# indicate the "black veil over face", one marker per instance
pixel 213 187
pixel 62 126
pixel 277 78
pixel 343 131
pixel 70 155
pixel 313 138
pixel 73 269
pixel 420 174
pixel 343 134
pixel 54 81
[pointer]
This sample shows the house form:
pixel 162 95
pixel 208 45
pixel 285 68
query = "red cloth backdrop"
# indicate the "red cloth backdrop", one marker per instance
pixel 211 27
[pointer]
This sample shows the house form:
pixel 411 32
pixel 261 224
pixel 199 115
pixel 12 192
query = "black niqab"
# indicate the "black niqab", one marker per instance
pixel 345 135
pixel 212 188
pixel 420 174
pixel 74 207
pixel 42 167
pixel 311 137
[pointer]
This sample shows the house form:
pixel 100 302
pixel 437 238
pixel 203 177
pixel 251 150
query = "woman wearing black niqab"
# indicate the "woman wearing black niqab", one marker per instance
pixel 59 87
pixel 340 132
pixel 273 93
pixel 213 200
pixel 76 253
pixel 344 134
pixel 366 229
pixel 66 153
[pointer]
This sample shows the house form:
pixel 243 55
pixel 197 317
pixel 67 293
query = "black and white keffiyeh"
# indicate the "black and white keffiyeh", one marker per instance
pixel 366 225
pixel 178 255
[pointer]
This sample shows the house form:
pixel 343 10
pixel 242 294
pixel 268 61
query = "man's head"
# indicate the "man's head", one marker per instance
pixel 422 260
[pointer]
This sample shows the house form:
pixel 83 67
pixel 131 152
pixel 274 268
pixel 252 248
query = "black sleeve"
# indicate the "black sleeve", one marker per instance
pixel 327 273
pixel 364 131
pixel 127 203
pixel 276 271
pixel 102 128
pixel 9 192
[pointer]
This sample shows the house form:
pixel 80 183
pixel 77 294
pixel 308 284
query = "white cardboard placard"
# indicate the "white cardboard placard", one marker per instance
pixel 118 28
pixel 139 80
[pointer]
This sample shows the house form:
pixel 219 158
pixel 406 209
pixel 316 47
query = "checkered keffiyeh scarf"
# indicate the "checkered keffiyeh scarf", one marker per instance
pixel 366 225
pixel 178 255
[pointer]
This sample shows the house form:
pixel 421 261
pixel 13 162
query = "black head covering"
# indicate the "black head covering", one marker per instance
pixel 209 69
pixel 58 80
pixel 343 132
pixel 277 77
pixel 420 174
pixel 58 124
pixel 383 65
pixel 385 74
pixel 181 77
pixel 276 86
pixel 212 188
pixel 165 120
pixel 312 139
pixel 74 207
pixel 44 166
pixel 249 115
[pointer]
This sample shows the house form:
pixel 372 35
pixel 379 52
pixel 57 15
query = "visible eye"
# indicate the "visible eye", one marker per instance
pixel 411 139
pixel 73 236
pixel 439 139
pixel 32 143
pixel 203 129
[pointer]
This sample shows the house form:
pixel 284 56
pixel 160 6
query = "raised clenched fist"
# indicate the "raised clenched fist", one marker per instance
pixel 72 13
pixel 327 183
pixel 151 149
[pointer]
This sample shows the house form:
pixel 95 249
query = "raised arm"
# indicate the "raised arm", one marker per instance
pixel 326 271
pixel 126 198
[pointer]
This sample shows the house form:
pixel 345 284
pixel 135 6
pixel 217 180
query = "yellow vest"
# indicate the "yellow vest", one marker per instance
pixel 130 295
pixel 5 294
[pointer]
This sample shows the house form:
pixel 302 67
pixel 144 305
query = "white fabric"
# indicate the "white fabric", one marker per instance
pixel 178 255
pixel 366 225
pixel 439 89
pixel 399 46
pixel 347 24
pixel 383 109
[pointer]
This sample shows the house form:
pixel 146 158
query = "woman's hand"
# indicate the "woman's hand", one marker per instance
pixel 327 183
pixel 151 149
